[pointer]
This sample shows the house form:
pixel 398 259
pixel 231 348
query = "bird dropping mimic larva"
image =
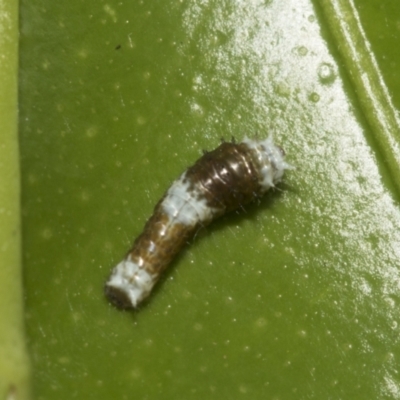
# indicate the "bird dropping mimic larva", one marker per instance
pixel 222 180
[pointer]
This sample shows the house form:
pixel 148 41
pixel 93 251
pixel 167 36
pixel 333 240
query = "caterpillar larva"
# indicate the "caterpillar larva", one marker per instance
pixel 222 180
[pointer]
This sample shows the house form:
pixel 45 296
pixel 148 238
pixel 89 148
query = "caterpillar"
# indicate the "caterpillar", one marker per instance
pixel 222 180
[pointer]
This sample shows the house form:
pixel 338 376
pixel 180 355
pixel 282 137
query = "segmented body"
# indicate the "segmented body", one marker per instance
pixel 222 180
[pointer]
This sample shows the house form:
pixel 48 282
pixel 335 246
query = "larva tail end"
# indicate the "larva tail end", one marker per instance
pixel 118 297
pixel 129 284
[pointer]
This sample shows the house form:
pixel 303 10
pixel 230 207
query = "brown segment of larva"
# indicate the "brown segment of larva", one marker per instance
pixel 223 180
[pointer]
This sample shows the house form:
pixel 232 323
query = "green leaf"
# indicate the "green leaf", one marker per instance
pixel 294 298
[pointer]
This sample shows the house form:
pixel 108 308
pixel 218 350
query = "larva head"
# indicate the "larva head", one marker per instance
pixel 270 159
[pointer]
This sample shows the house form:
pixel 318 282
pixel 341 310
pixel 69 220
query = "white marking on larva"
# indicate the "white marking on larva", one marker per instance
pixel 272 160
pixel 186 206
pixel 131 279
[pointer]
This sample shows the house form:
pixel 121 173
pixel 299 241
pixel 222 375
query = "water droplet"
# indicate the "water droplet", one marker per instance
pixel 85 196
pixel 242 389
pixel 91 131
pixel 197 109
pixel 302 51
pixel 314 97
pixel 198 326
pixel 302 333
pixel 326 73
pixel 140 120
pixel 283 90
pixel 261 322
pixel 47 233
pixel 136 373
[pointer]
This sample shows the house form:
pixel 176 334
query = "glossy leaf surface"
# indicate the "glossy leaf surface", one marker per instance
pixel 295 298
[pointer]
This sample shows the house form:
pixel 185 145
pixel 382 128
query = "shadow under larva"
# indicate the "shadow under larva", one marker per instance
pixel 222 180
